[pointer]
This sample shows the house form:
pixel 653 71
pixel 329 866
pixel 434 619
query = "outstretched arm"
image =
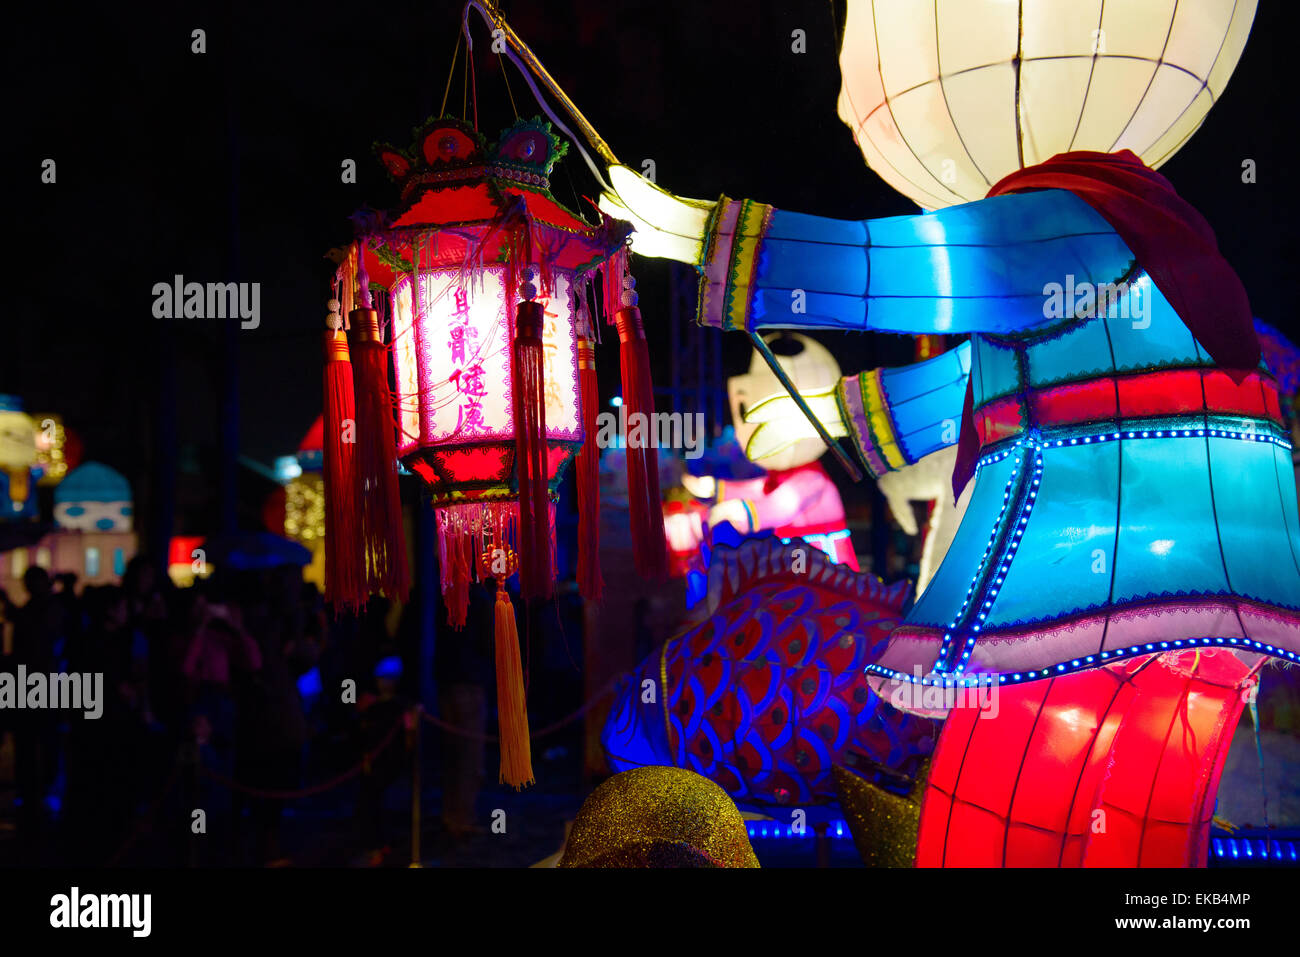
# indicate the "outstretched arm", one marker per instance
pixel 895 417
pixel 979 267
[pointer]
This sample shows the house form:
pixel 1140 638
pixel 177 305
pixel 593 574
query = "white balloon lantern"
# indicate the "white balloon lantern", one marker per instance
pixel 946 98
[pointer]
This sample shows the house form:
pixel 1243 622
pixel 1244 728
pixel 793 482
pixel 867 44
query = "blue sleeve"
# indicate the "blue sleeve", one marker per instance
pixel 898 416
pixel 978 267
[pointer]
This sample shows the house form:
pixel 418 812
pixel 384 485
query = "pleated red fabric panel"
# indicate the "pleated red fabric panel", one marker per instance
pixel 1114 767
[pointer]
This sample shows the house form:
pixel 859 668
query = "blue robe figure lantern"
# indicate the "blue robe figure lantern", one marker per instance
pixel 1133 505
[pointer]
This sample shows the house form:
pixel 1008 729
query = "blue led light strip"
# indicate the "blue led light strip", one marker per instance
pixel 1091 661
pixel 1268 434
pixel 1008 496
pixel 1256 849
pixel 773 830
pixel 992 588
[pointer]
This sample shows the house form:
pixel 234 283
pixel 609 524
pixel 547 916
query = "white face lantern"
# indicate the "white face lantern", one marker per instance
pixel 811 368
pixel 947 98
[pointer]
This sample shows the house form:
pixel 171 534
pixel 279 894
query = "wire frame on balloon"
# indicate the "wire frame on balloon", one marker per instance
pixel 946 99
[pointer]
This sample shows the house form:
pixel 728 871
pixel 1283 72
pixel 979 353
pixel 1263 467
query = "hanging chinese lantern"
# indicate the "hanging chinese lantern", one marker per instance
pixel 490 278
pixel 481 279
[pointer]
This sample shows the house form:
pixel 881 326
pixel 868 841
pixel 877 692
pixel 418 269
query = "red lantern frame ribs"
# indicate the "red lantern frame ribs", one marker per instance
pixel 477 241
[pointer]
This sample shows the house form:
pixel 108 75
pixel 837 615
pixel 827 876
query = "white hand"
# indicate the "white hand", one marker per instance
pixel 666 226
pixel 782 423
pixel 684 531
pixel 732 510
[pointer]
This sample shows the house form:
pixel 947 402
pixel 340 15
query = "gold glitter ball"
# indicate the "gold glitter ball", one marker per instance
pixel 658 817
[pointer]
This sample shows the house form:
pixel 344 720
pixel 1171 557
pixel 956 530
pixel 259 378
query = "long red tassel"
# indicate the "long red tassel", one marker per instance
pixel 344 589
pixel 649 549
pixel 528 385
pixel 383 537
pixel 590 582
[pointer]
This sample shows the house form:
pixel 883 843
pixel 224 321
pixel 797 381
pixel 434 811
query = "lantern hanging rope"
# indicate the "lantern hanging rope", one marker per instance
pixel 529 66
pixel 651 558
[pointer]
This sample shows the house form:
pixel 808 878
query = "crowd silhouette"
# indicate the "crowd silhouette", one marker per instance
pixel 227 696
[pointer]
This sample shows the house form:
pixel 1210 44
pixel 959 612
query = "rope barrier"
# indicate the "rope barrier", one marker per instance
pixel 313 789
pixel 148 817
pixel 284 795
pixel 540 732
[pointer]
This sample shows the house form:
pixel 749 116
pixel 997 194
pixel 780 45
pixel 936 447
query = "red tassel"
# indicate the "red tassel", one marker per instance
pixel 648 546
pixel 528 385
pixel 590 582
pixel 457 595
pixel 383 537
pixel 344 589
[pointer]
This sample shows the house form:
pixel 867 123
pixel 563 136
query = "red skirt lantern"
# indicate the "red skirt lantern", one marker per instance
pixel 1113 767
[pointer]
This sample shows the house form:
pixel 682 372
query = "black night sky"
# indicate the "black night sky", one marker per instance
pixel 226 167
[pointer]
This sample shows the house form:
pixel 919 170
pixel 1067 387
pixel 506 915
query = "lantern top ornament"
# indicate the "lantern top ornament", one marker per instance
pixel 446 150
pixel 472 193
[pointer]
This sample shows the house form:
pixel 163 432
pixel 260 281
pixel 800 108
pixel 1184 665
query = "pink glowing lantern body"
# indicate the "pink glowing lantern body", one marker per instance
pixel 451 348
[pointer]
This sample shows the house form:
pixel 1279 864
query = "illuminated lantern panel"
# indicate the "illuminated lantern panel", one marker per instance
pixel 453 371
pixel 1114 767
pixel 946 98
pixel 454 408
